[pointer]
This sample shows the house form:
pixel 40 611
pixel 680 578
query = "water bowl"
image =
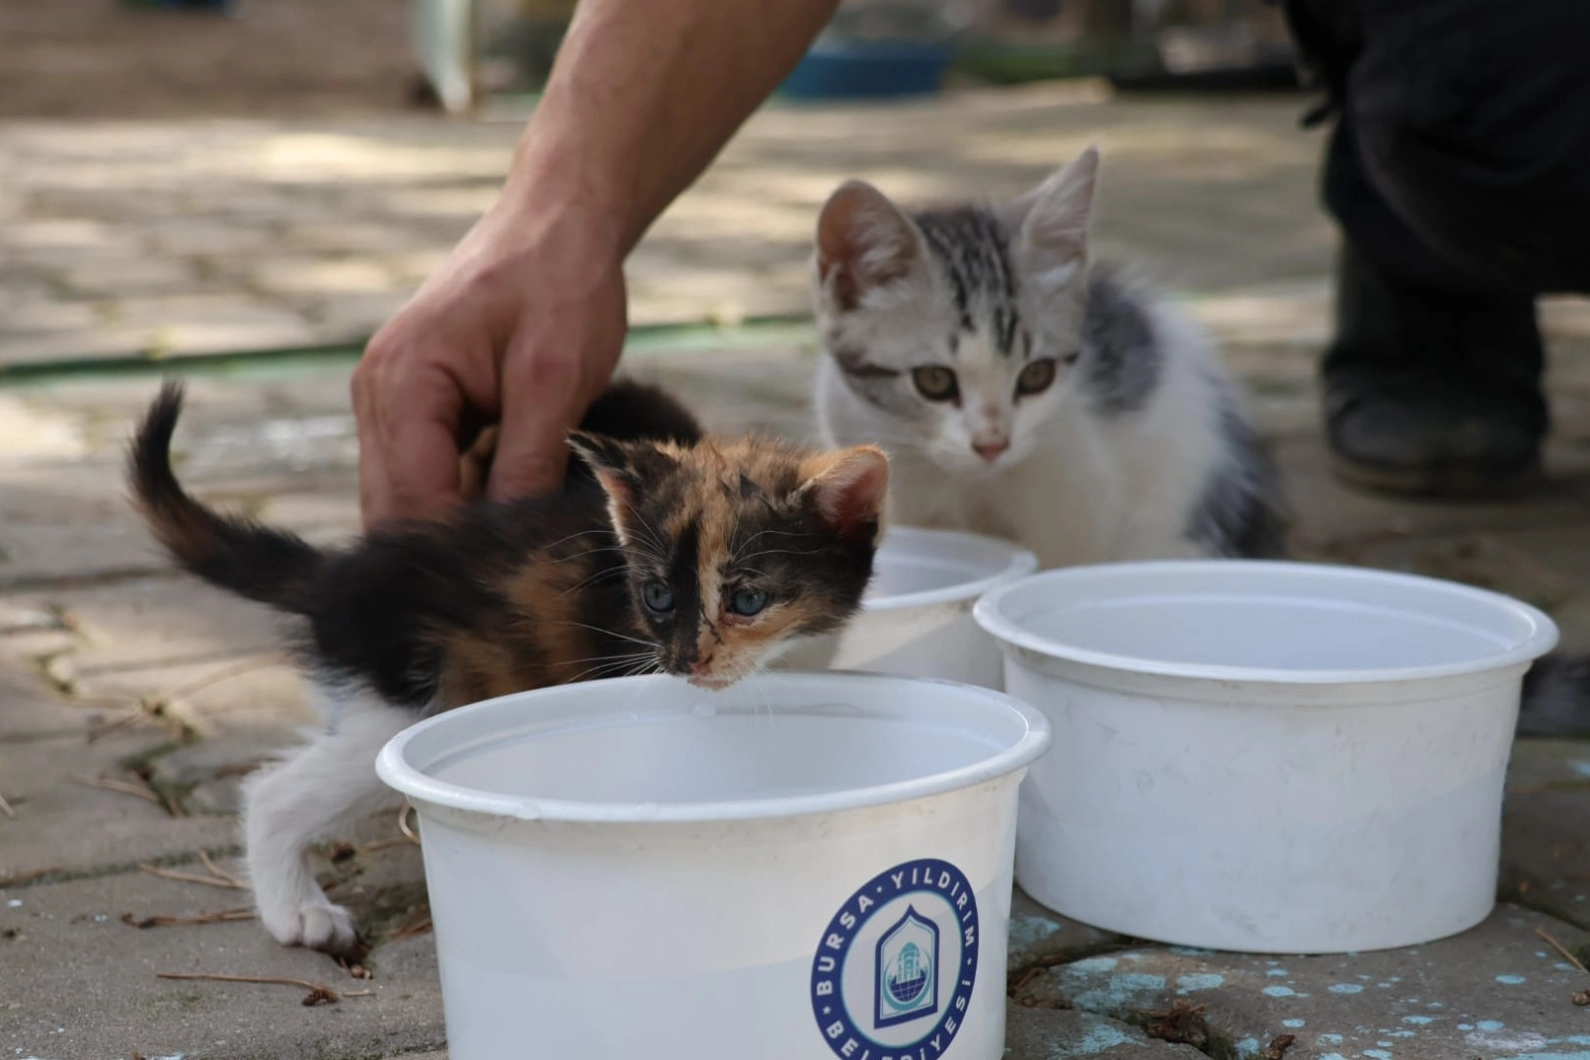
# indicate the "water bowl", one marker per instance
pixel 1265 757
pixel 802 866
pixel 916 620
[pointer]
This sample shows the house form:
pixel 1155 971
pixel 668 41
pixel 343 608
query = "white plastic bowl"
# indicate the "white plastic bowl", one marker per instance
pixel 916 620
pixel 637 868
pixel 1265 757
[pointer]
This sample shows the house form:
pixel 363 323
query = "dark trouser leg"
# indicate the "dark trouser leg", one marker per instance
pixel 1460 174
pixel 1432 384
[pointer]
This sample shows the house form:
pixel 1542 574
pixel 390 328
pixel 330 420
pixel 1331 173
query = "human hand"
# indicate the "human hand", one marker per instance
pixel 522 323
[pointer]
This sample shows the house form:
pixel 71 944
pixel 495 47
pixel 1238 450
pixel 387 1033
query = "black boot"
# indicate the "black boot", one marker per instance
pixel 1432 393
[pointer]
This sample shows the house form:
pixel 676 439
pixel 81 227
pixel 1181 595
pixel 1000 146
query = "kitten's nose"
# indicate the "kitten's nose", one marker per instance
pixel 990 450
pixel 701 666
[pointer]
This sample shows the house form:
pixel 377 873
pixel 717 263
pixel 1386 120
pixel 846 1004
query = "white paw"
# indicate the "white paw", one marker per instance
pixel 317 923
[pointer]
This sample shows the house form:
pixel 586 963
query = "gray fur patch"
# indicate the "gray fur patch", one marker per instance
pixel 1239 515
pixel 878 386
pixel 853 362
pixel 1121 361
pixel 972 247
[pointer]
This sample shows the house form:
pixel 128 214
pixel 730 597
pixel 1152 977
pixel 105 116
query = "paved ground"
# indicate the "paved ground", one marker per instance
pixel 192 236
pixel 131 700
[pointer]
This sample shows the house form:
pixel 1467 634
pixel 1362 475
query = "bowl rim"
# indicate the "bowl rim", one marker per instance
pixel 1022 563
pixel 396 771
pixel 990 615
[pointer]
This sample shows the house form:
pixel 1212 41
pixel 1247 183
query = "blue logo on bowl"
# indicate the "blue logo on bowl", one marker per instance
pixel 894 969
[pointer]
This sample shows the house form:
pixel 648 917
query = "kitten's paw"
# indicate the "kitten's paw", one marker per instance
pixel 316 923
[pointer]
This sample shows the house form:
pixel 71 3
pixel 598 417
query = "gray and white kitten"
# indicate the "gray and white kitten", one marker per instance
pixel 1025 392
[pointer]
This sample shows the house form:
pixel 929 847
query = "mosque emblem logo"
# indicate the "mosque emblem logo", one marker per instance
pixel 894 970
pixel 906 970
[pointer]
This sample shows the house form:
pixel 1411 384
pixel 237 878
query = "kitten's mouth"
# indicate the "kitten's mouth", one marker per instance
pixel 711 682
pixel 973 467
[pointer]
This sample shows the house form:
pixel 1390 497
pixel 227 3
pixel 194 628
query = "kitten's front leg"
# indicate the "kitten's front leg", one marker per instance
pixel 291 805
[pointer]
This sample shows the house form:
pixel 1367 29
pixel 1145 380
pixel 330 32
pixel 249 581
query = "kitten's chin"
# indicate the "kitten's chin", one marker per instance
pixel 712 683
pixel 972 466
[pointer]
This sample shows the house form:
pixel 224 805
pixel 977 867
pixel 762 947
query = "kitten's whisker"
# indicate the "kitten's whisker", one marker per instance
pixel 651 552
pixel 635 693
pixel 612 658
pixel 604 662
pixel 644 667
pixel 613 633
pixel 592 552
pixel 628 664
pixel 571 537
pixel 775 552
pixel 655 539
pixel 748 542
pixel 588 579
pixel 758 668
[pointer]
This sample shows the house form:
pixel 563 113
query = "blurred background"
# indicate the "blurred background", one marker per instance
pixel 147 58
pixel 201 177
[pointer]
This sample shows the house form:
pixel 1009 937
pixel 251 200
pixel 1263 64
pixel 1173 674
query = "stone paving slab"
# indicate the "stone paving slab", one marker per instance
pixel 1546 833
pixel 1056 1034
pixel 79 1012
pixel 1496 990
pixel 156 621
pixel 206 699
pixel 64 826
pixel 1041 938
pixel 31 714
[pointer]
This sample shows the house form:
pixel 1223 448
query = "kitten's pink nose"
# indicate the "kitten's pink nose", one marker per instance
pixel 990 450
pixel 701 666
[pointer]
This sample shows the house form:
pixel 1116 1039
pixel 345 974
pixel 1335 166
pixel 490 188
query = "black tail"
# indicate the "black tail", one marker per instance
pixel 1556 697
pixel 271 566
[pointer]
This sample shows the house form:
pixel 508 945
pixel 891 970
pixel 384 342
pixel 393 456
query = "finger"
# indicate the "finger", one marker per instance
pixel 427 484
pixel 417 410
pixel 542 398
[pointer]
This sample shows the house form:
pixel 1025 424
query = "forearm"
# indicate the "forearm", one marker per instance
pixel 643 95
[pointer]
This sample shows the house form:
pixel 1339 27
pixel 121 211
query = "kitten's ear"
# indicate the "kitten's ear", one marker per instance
pixel 849 488
pixel 603 455
pixel 863 243
pixel 610 463
pixel 1054 234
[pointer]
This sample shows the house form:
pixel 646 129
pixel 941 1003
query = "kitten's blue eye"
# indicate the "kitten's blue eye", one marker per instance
pixel 936 382
pixel 657 596
pixel 748 602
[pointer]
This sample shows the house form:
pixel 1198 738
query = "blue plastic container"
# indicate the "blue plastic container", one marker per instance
pixel 869 71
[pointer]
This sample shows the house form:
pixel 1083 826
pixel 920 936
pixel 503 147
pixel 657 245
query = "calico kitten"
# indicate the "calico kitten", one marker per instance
pixel 1024 391
pixel 665 551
